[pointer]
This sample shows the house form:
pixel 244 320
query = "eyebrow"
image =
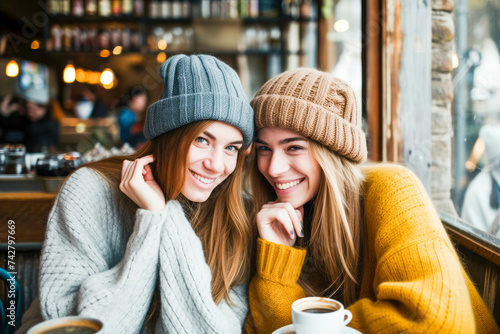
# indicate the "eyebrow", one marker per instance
pixel 211 136
pixel 283 141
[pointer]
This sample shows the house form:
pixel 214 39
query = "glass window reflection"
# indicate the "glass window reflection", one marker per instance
pixel 476 190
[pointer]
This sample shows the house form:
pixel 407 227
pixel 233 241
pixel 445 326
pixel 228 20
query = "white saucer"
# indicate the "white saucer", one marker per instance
pixel 289 330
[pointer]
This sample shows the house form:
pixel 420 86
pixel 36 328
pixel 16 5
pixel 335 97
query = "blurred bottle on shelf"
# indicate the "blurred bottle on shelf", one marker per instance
pixel 104 37
pixel 56 38
pixel 295 9
pixel 205 9
pixel 275 38
pixel 116 7
pixel 306 9
pixel 104 7
pixel 135 40
pixel 176 9
pixel 127 7
pixel 244 8
pixel 115 37
pixel 78 9
pixel 154 9
pixel 125 39
pixel 91 7
pixel 233 9
pixel 214 8
pixel 53 7
pixel 65 7
pixel 253 8
pixel 224 8
pixel 83 36
pixel 67 37
pixel 186 8
pixel 165 9
pixel 138 7
pixel 76 39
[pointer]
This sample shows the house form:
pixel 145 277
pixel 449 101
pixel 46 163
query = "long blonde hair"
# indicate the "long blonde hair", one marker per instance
pixel 221 222
pixel 337 228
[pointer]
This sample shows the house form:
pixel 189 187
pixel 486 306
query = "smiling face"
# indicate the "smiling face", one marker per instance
pixel 286 161
pixel 212 158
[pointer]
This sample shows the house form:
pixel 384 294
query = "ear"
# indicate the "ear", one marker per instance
pixel 248 150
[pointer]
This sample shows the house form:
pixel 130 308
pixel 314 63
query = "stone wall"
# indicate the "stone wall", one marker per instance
pixel 443 32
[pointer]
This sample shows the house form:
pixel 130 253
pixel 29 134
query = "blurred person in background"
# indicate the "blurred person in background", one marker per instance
pixel 29 122
pixel 11 120
pixel 41 131
pixel 89 104
pixel 482 198
pixel 131 117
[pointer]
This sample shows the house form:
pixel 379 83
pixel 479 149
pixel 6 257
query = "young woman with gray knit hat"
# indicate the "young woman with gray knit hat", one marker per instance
pixel 159 241
pixel 367 236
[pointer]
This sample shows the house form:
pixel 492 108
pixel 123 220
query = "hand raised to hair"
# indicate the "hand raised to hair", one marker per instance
pixel 280 223
pixel 139 185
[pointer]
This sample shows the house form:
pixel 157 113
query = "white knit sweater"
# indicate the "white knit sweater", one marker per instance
pixel 103 258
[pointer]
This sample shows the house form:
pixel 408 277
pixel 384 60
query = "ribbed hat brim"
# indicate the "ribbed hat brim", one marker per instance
pixel 313 121
pixel 171 113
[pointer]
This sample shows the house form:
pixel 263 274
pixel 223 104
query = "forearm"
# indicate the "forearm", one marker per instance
pixel 420 289
pixel 86 285
pixel 274 288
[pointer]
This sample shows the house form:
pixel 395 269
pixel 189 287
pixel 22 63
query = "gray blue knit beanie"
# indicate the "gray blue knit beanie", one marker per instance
pixel 199 87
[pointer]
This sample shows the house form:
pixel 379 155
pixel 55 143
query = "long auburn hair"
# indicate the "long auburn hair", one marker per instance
pixel 337 228
pixel 221 222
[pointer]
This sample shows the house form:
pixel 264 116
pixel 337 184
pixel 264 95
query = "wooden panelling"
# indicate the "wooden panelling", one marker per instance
pixel 484 274
pixel 29 211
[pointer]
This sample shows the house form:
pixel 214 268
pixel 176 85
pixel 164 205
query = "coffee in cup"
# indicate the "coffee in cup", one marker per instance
pixel 68 325
pixel 319 315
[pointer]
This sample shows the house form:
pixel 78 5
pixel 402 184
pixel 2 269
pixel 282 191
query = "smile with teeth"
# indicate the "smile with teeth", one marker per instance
pixel 201 178
pixel 284 186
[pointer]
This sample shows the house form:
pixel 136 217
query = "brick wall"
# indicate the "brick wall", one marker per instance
pixel 443 33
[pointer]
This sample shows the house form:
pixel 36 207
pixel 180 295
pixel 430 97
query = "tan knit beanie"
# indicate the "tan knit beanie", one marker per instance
pixel 315 104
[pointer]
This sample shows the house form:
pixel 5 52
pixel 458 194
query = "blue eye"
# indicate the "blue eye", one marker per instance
pixel 201 140
pixel 232 148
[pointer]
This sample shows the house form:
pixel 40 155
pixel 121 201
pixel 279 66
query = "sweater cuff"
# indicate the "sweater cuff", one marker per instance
pixel 279 263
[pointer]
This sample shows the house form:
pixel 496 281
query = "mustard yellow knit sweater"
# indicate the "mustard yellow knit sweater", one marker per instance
pixel 412 280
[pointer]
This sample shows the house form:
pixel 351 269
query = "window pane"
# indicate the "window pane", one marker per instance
pixel 476 190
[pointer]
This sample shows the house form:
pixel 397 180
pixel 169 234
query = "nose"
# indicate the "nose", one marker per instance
pixel 215 162
pixel 277 165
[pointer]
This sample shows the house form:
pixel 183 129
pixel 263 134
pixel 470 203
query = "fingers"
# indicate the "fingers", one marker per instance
pixel 132 176
pixel 139 165
pixel 287 216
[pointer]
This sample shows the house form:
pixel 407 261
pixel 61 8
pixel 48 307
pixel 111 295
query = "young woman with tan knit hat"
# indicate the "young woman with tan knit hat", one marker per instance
pixel 368 235
pixel 159 242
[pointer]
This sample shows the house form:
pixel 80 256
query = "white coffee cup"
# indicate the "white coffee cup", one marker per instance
pixel 70 324
pixel 319 315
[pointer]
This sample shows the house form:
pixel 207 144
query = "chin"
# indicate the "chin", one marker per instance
pixel 197 198
pixel 295 202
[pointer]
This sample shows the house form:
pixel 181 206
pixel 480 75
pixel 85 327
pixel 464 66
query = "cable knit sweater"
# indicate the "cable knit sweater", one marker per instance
pixel 103 258
pixel 412 280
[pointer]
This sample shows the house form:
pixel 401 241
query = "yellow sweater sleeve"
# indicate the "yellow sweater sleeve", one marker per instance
pixel 413 280
pixel 274 287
